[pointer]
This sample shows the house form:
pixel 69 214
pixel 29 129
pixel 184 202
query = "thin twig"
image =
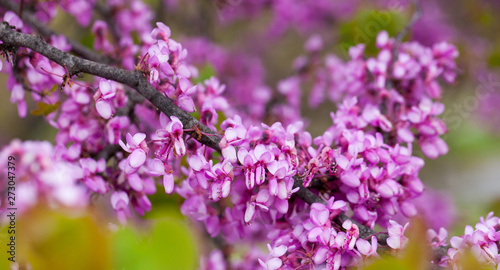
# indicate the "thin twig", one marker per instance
pixel 21 8
pixel 77 48
pixel 414 18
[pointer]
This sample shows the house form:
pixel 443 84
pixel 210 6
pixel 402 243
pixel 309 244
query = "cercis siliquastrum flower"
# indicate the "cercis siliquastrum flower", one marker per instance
pixel 252 191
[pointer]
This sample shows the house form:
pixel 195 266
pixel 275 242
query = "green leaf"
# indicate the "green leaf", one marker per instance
pixel 195 114
pixel 494 59
pixel 88 40
pixel 416 253
pixel 205 73
pixel 168 246
pixel 468 261
pixel 364 29
pixel 45 109
pixel 387 264
pixel 221 119
pixel 54 240
pixel 54 88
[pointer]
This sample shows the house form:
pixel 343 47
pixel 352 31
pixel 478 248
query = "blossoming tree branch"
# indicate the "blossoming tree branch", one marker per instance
pixel 148 118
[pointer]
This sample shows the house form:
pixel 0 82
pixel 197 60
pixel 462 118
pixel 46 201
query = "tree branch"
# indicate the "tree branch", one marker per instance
pixel 134 79
pixel 77 48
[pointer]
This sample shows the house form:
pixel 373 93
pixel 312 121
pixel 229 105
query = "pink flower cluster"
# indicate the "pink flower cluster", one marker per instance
pixel 397 89
pixel 363 164
pixel 482 241
pixel 42 178
pixel 242 73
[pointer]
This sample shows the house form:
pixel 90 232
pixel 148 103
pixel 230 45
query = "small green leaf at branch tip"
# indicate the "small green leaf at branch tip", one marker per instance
pixel 45 109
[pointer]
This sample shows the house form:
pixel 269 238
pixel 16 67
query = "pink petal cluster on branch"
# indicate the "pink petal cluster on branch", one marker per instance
pixel 275 183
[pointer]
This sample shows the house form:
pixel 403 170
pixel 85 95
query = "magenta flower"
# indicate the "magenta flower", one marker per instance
pixel 254 163
pixel 17 96
pixel 215 261
pixel 437 239
pixel 138 150
pixel 222 173
pixel 352 233
pixel 263 200
pixel 100 30
pixel 202 169
pixel 114 127
pixel 91 169
pixel 378 68
pixel 170 136
pixel 273 261
pixel 367 248
pixel 372 115
pixel 280 180
pixel 396 239
pixel 13 19
pixel 320 216
pixel 119 202
pixel 233 136
pixel 183 92
pixel 162 32
pixel 157 61
pixel 383 40
pixel 159 168
pixel 210 96
pixel 104 98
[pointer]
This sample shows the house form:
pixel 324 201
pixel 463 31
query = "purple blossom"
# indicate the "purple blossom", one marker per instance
pixel 158 168
pixel 138 149
pixel 91 169
pixel 384 104
pixel 396 239
pixel 170 137
pixel 104 98
pixel 120 202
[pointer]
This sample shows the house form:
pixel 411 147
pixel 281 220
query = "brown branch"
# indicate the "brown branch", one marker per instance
pixel 20 12
pixel 134 79
pixel 77 48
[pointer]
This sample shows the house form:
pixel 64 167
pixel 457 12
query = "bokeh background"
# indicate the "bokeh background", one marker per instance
pixel 467 179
